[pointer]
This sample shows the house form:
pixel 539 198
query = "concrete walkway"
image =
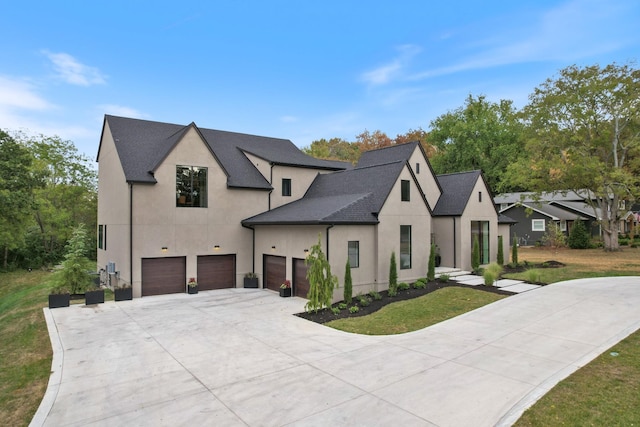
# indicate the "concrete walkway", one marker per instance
pixel 238 357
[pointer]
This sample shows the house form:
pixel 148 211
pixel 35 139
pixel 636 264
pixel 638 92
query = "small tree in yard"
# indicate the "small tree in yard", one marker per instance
pixel 579 236
pixel 500 256
pixel 431 272
pixel 348 283
pixel 321 281
pixel 74 274
pixel 554 237
pixel 475 254
pixel 514 250
pixel 393 276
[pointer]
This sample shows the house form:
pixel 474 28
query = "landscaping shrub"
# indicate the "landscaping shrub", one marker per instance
pixel 500 256
pixel 431 271
pixel 354 309
pixel 402 286
pixel 554 237
pixel 419 285
pixel 342 305
pixel 363 300
pixel 444 278
pixel 533 276
pixel 375 295
pixel 489 278
pixel 579 236
pixel 335 310
pixel 393 276
pixel 475 254
pixel 74 275
pixel 492 273
pixel 348 283
pixel 321 281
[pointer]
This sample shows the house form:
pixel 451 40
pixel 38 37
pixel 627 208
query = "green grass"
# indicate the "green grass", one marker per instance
pixel 25 349
pixel 418 313
pixel 603 393
pixel 553 275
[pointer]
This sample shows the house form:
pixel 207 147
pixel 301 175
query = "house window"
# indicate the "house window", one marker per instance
pixel 405 190
pixel 102 237
pixel 563 225
pixel 417 168
pixel 480 196
pixel 286 187
pixel 191 187
pixel 537 225
pixel 504 206
pixel 354 254
pixel 480 230
pixel 405 247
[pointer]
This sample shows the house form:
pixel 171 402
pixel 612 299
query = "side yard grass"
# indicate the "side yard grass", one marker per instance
pixel 25 349
pixel 418 313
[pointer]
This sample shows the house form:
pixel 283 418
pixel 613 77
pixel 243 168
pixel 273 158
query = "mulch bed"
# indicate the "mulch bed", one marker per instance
pixel 326 315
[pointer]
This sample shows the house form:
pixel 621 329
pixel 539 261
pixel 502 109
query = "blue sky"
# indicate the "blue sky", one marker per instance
pixel 289 69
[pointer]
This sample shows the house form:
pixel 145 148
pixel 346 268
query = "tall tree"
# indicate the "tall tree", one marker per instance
pixel 333 149
pixel 371 141
pixel 480 135
pixel 585 126
pixel 419 135
pixel 321 280
pixel 16 198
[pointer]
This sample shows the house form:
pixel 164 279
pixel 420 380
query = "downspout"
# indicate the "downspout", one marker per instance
pixel 131 234
pixel 271 183
pixel 253 247
pixel 454 243
pixel 331 226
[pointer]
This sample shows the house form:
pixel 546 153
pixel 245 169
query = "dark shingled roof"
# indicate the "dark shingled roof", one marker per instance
pixel 347 197
pixel 503 219
pixel 142 145
pixel 456 190
pixel 393 153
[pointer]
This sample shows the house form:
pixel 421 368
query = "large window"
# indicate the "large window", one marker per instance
pixel 286 187
pixel 405 190
pixel 191 186
pixel 354 254
pixel 102 236
pixel 405 247
pixel 480 230
pixel 537 225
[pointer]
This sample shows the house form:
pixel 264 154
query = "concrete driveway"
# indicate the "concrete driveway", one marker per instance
pixel 239 357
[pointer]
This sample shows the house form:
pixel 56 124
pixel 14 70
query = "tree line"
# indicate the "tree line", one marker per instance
pixel 579 131
pixel 47 188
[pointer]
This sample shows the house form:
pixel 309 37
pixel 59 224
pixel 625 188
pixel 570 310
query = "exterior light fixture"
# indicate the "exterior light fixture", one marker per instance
pixel 273 248
pixel 164 249
pixel 306 251
pixel 216 248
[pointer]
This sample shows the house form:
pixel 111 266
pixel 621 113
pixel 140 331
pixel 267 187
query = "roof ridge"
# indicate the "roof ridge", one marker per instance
pixel 362 196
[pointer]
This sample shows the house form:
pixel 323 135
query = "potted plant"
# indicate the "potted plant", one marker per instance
pixel 123 293
pixel 192 286
pixel 251 280
pixel 94 295
pixel 285 289
pixel 59 297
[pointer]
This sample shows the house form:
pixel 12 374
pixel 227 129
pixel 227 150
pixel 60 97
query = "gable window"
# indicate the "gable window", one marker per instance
pixel 480 196
pixel 537 225
pixel 191 187
pixel 354 254
pixel 286 187
pixel 405 190
pixel 405 247
pixel 417 168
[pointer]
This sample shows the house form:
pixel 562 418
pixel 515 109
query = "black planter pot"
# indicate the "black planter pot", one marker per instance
pixel 94 297
pixel 285 292
pixel 192 290
pixel 123 294
pixel 250 282
pixel 59 300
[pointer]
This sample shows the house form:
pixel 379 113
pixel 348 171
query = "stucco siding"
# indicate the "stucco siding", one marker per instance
pixel 477 210
pixel 425 178
pixel 301 179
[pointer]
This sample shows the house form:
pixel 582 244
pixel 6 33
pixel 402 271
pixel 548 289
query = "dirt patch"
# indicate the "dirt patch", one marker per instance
pixel 326 315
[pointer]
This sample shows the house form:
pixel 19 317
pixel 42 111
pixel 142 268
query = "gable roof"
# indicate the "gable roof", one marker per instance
pixel 580 208
pixel 546 196
pixel 142 145
pixel 553 212
pixel 456 190
pixel 353 196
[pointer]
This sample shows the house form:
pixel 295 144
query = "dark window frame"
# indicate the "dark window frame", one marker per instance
pixel 405 190
pixel 191 186
pixel 356 248
pixel 405 231
pixel 286 187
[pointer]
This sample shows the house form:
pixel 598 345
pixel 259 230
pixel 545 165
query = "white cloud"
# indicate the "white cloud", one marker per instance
pixel 394 69
pixel 73 72
pixel 288 119
pixel 19 93
pixel 121 110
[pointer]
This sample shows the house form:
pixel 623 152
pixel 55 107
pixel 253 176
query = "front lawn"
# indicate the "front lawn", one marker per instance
pixel 417 313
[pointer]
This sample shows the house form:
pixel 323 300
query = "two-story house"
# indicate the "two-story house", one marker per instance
pixel 179 201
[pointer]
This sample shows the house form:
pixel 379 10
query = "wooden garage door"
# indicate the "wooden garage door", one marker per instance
pixel 164 275
pixel 275 271
pixel 300 282
pixel 216 272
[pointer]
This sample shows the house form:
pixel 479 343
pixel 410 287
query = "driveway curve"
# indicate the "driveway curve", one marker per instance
pixel 238 357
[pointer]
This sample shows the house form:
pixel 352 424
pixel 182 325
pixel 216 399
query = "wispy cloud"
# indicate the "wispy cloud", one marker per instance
pixel 121 110
pixel 20 94
pixel 392 70
pixel 72 71
pixel 572 31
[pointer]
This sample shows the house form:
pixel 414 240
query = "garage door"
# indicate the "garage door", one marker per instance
pixel 164 275
pixel 300 282
pixel 275 271
pixel 216 272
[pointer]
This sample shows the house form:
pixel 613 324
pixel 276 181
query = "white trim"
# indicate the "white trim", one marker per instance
pixel 533 224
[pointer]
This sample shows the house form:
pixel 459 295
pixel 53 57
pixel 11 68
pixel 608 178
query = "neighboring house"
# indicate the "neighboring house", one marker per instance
pixel 180 201
pixel 533 215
